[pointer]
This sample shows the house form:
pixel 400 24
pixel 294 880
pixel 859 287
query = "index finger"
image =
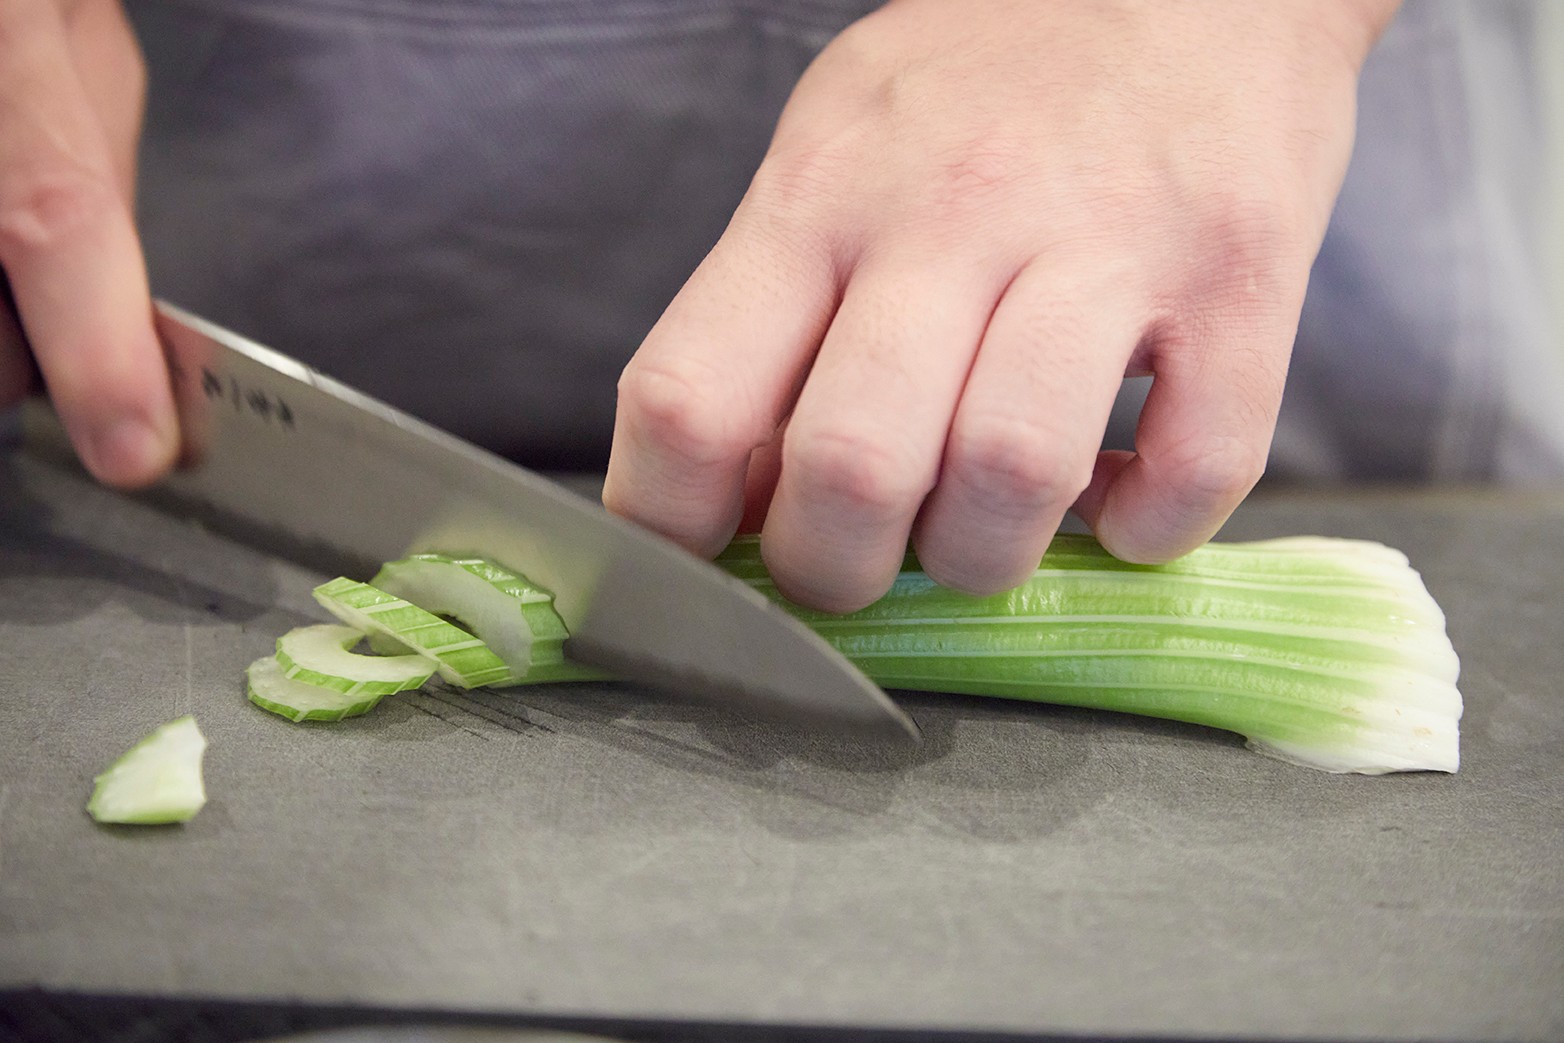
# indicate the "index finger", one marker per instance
pixel 69 248
pixel 714 380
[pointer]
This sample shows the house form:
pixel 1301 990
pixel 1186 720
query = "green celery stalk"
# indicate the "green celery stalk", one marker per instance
pixel 1322 651
pixel 1326 652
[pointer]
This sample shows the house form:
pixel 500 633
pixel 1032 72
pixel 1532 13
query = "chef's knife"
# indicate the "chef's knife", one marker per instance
pixel 279 454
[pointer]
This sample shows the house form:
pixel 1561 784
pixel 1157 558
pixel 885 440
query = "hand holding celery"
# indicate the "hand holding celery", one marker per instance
pixel 1326 652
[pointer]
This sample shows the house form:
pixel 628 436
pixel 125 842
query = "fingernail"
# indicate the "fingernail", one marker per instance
pixel 127 451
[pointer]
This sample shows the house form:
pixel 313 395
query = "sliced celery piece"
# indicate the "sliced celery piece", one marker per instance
pixel 155 782
pixel 503 609
pixel 268 686
pixel 320 656
pixel 1322 651
pixel 458 656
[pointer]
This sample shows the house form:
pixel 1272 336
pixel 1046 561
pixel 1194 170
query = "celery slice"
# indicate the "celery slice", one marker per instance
pixel 503 609
pixel 268 686
pixel 320 656
pixel 155 782
pixel 458 656
pixel 1321 651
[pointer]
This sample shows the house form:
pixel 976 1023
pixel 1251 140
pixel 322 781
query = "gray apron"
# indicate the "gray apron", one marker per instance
pixel 475 209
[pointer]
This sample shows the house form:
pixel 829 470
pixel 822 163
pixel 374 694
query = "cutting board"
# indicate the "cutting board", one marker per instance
pixel 597 852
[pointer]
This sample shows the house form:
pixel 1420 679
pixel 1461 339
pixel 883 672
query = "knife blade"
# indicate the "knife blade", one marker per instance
pixel 280 455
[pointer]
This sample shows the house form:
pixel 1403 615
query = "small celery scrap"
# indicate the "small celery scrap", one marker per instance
pixel 155 782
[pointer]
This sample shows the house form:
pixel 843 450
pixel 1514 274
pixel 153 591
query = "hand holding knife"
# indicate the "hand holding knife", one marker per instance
pixel 282 455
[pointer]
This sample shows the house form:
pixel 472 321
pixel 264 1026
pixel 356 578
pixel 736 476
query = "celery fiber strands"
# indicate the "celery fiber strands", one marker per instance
pixel 1322 651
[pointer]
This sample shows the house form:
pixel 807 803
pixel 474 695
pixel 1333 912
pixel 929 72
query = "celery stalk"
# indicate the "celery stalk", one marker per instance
pixel 1326 652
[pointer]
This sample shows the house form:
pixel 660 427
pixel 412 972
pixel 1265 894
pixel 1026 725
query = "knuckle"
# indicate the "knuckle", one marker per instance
pixel 975 170
pixel 686 408
pixel 44 204
pixel 798 179
pixel 970 184
pixel 1252 230
pixel 1017 466
pixel 862 471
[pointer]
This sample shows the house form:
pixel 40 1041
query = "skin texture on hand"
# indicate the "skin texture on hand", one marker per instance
pixel 974 220
pixel 71 90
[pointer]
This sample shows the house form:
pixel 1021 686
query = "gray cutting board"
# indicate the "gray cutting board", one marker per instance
pixel 592 851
